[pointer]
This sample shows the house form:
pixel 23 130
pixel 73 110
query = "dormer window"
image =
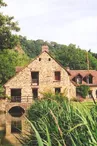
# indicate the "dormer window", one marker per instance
pixel 78 79
pixel 89 79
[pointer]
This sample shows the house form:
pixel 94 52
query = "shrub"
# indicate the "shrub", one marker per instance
pixel 83 90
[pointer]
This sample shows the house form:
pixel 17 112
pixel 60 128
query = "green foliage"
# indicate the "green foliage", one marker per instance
pixel 32 48
pixel 2 3
pixel 74 57
pixel 1 92
pixel 40 141
pixel 7 26
pixel 9 59
pixel 70 55
pixel 83 90
pixel 59 121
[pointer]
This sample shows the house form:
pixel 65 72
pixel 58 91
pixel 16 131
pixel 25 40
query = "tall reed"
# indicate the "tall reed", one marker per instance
pixel 58 122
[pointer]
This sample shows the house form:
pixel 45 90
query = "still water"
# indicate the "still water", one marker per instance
pixel 10 129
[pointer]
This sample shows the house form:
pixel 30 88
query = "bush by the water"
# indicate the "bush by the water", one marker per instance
pixel 57 122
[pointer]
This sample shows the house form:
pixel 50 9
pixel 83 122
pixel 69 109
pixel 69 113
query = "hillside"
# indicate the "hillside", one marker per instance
pixel 70 55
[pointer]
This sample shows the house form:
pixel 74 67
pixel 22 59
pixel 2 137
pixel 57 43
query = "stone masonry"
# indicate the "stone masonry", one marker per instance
pixel 46 66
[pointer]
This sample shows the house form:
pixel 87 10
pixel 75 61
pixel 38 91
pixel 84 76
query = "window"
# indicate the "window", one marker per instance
pixel 57 90
pixel 35 93
pixel 89 79
pixel 49 59
pixel 16 95
pixel 57 75
pixel 16 127
pixel 35 78
pixel 79 79
pixel 90 94
pixel 39 59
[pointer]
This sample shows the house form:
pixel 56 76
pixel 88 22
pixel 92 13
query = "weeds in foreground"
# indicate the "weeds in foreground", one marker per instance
pixel 54 121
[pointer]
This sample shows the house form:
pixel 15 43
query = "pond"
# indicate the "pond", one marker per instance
pixel 10 129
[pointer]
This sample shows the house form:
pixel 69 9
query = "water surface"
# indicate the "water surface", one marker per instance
pixel 10 129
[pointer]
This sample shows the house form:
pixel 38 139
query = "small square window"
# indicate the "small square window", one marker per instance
pixel 57 90
pixel 49 59
pixel 39 59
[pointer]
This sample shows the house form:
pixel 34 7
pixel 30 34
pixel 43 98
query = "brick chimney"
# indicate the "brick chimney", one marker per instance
pixel 18 69
pixel 45 48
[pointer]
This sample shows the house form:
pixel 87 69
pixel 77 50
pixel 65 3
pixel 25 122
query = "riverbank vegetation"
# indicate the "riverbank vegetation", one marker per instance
pixel 55 121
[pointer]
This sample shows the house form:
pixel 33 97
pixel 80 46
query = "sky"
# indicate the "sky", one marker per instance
pixel 61 21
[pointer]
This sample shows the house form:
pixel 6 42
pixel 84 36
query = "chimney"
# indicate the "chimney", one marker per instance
pixel 45 48
pixel 18 69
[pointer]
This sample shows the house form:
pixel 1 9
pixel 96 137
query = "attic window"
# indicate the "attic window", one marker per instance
pixel 49 59
pixel 89 79
pixel 39 59
pixel 79 79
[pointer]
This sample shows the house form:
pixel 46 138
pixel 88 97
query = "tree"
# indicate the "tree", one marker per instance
pixel 2 3
pixel 9 59
pixel 7 68
pixel 7 26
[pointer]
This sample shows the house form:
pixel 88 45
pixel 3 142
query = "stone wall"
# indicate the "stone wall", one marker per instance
pixel 94 89
pixel 3 103
pixel 46 68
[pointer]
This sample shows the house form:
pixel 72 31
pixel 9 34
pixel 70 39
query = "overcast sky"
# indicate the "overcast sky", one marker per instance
pixel 62 21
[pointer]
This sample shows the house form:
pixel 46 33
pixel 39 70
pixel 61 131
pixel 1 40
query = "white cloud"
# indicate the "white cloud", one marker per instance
pixel 25 8
pixel 82 32
pixel 71 21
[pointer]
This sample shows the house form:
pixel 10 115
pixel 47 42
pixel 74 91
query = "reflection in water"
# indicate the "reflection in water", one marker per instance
pixel 16 127
pixel 16 111
pixel 11 126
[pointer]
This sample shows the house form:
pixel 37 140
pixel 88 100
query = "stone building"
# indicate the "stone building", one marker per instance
pixel 43 74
